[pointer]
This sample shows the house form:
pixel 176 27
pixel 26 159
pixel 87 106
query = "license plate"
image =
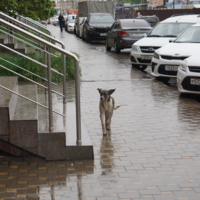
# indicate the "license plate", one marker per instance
pixel 171 68
pixel 102 34
pixel 194 81
pixel 146 57
pixel 138 35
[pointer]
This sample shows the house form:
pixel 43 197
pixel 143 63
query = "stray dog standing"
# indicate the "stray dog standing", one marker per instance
pixel 106 107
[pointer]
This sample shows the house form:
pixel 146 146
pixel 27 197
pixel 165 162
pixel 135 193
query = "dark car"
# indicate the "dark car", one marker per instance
pixel 96 26
pixel 152 19
pixel 124 32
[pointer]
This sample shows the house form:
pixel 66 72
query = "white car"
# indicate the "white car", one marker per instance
pixel 166 60
pixel 55 20
pixel 70 23
pixel 142 50
pixel 188 76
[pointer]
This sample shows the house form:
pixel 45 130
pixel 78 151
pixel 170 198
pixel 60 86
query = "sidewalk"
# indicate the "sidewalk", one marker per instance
pixel 152 153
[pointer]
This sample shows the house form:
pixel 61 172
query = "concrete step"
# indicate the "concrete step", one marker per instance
pixel 25 109
pixel 43 114
pixel 14 44
pixel 7 104
pixel 5 38
pixel 23 125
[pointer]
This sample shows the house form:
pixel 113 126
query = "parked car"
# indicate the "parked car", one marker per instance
pixel 142 50
pixel 70 22
pixel 188 76
pixel 78 22
pixel 124 32
pixel 166 60
pixel 81 27
pixel 97 25
pixel 55 20
pixel 152 19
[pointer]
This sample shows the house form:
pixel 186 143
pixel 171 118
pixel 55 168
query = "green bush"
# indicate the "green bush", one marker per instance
pixel 56 63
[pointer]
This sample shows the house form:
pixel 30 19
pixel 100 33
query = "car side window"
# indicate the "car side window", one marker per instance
pixel 115 26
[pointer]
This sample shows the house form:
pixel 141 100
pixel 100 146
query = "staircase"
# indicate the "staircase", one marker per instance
pixel 24 125
pixel 14 44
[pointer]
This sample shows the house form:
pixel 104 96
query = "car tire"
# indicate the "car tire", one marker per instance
pixel 88 39
pixel 107 47
pixel 116 48
pixel 163 79
pixel 142 67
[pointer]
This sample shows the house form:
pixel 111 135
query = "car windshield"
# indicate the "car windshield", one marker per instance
pixel 150 19
pixel 168 29
pixel 101 19
pixel 72 19
pixel 134 23
pixel 191 35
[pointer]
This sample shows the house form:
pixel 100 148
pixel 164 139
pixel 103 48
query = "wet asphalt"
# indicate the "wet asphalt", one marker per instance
pixel 153 152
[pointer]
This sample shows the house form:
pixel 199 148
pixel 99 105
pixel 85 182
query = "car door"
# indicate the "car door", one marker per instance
pixel 111 34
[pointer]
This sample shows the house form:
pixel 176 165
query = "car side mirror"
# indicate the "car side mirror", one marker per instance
pixel 171 40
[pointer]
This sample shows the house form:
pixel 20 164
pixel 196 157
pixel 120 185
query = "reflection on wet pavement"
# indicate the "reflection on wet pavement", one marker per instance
pixel 152 153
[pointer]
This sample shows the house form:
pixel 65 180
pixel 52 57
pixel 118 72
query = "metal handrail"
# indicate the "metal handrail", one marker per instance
pixel 19 23
pixel 21 40
pixel 22 55
pixel 39 104
pixel 35 61
pixel 35 23
pixel 77 77
pixel 25 70
pixel 49 38
pixel 23 76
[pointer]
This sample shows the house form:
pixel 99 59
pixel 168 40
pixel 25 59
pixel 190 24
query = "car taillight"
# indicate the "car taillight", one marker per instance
pixel 122 33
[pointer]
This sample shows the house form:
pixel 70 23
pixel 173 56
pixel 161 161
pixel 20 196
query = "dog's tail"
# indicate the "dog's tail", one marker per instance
pixel 115 108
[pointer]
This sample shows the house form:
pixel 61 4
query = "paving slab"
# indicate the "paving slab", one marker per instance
pixel 152 152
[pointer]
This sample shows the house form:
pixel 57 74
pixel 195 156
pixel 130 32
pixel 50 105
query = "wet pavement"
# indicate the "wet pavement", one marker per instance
pixel 153 152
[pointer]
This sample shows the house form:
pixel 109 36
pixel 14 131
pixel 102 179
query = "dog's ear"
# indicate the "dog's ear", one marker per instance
pixel 111 91
pixel 99 89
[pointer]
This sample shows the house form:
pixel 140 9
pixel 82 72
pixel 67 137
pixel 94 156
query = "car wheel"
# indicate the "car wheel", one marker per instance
pixel 107 47
pixel 142 67
pixel 116 48
pixel 88 39
pixel 135 66
pixel 163 79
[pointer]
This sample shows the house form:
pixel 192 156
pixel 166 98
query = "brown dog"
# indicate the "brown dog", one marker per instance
pixel 106 108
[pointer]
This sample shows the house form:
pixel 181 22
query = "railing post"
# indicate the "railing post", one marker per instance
pixel 78 106
pixel 49 92
pixel 64 77
pixel 46 63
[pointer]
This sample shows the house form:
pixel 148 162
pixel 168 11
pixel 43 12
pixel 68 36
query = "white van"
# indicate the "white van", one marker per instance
pixel 142 51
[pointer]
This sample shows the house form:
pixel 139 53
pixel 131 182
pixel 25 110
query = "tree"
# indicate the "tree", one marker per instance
pixel 35 9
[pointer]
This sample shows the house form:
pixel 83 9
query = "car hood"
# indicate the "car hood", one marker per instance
pixel 153 42
pixel 71 24
pixel 101 24
pixel 193 60
pixel 182 49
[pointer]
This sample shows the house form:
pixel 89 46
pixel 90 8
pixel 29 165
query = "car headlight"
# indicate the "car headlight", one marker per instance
pixel 134 48
pixel 156 55
pixel 91 28
pixel 183 66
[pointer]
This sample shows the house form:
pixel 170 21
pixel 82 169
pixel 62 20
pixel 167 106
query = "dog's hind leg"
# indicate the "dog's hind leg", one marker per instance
pixel 103 123
pixel 108 123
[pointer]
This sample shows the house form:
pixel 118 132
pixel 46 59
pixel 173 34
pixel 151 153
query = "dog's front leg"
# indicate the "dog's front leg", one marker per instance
pixel 102 117
pixel 108 122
